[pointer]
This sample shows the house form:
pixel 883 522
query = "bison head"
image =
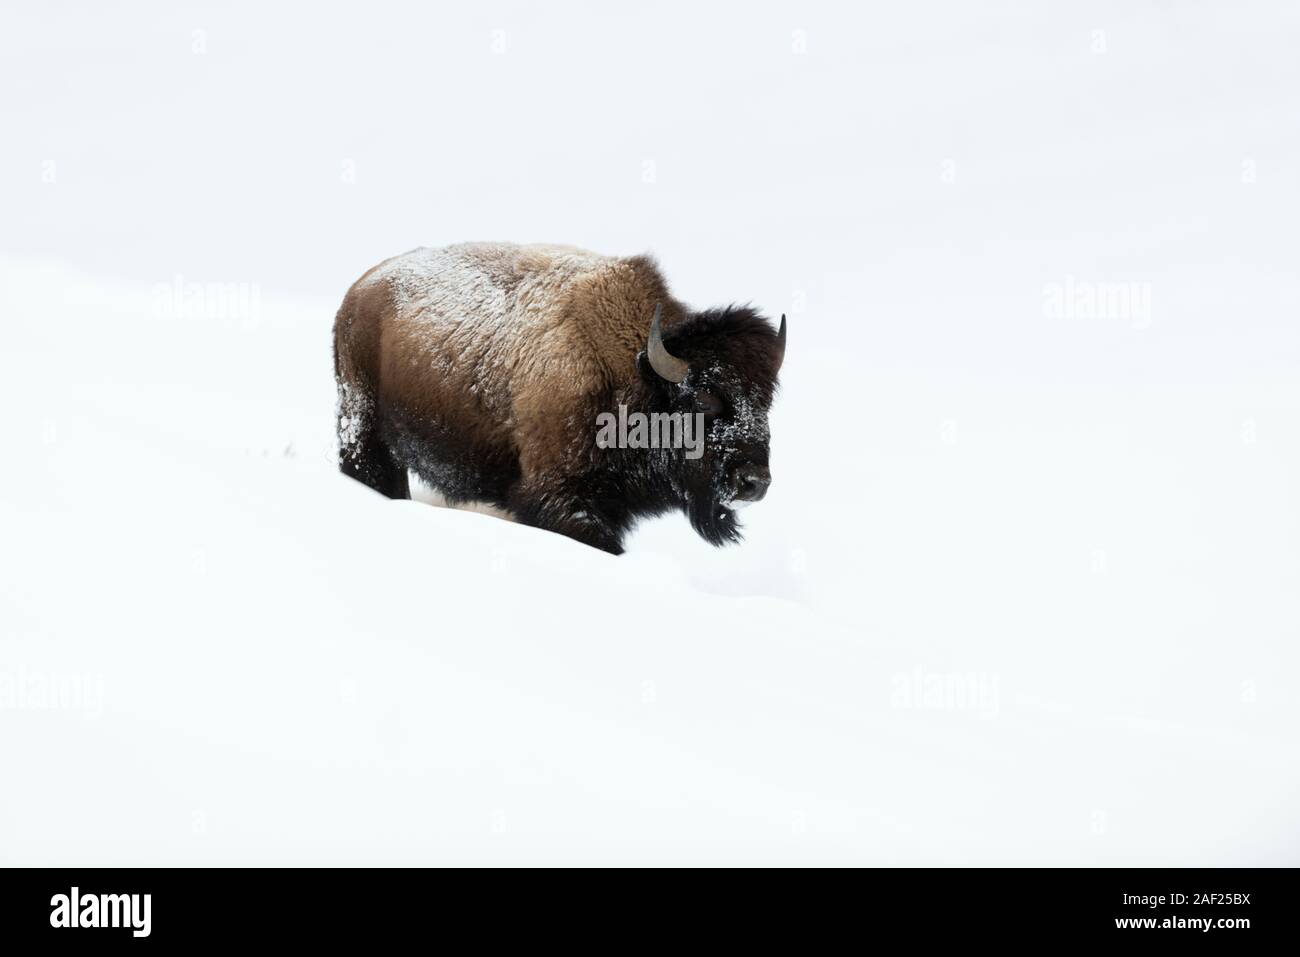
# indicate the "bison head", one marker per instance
pixel 721 364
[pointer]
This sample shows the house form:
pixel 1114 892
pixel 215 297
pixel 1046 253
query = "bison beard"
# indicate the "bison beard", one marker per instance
pixel 482 368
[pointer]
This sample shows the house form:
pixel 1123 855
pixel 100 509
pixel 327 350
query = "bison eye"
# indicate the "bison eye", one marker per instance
pixel 708 403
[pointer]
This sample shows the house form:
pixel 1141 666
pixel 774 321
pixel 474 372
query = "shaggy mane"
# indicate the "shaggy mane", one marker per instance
pixel 739 332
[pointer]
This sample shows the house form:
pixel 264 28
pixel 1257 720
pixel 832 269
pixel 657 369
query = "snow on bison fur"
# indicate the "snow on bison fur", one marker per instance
pixel 483 368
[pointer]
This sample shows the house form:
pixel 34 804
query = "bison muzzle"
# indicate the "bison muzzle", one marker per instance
pixel 483 368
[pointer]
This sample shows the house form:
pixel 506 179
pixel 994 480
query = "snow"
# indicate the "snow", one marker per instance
pixel 1023 589
pixel 354 408
pixel 294 669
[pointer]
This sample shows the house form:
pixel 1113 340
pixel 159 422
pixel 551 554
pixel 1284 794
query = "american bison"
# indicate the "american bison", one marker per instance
pixel 484 369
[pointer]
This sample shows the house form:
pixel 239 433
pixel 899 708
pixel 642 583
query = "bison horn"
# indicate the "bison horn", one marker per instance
pixel 667 365
pixel 780 342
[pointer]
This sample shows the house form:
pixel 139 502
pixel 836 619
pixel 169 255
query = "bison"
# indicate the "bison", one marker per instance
pixel 483 369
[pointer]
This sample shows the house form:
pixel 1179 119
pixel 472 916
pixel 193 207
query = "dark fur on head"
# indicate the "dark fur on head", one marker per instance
pixel 734 358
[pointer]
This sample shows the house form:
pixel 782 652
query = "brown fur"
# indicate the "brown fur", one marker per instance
pixel 511 341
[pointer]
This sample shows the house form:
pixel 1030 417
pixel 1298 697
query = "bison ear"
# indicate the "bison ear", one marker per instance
pixel 647 372
pixel 661 360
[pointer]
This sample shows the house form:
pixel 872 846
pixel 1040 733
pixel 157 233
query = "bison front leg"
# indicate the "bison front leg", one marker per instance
pixel 572 514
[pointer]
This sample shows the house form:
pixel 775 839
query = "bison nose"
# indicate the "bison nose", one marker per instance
pixel 751 482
